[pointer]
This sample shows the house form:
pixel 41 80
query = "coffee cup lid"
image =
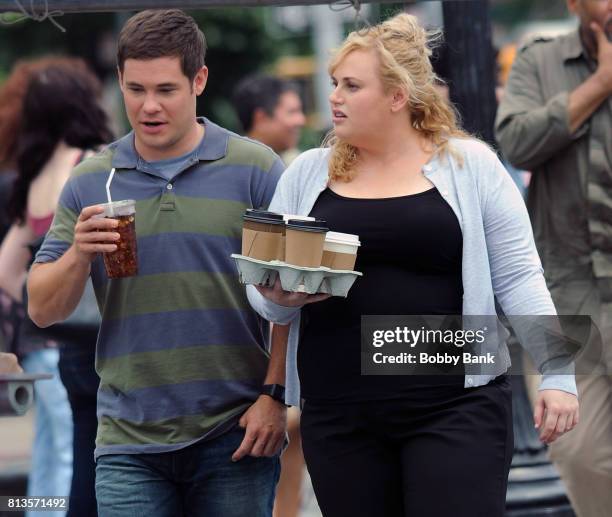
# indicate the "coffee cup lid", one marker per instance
pixel 342 238
pixel 287 217
pixel 262 216
pixel 317 225
pixel 118 208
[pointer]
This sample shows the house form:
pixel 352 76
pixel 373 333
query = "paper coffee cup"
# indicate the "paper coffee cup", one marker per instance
pixel 286 218
pixel 262 235
pixel 304 242
pixel 340 250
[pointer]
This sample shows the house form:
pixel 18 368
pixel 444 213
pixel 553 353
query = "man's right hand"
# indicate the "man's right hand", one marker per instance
pixel 93 235
pixel 277 295
pixel 604 56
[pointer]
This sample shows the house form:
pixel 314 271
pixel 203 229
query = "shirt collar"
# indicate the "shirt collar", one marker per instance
pixel 212 147
pixel 572 47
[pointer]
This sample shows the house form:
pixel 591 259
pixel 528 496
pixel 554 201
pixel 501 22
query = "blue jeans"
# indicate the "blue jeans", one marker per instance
pixel 51 469
pixel 200 480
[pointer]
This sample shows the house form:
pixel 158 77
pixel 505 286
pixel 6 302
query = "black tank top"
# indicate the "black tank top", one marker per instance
pixel 410 257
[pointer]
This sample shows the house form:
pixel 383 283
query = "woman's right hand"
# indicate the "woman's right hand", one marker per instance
pixel 277 295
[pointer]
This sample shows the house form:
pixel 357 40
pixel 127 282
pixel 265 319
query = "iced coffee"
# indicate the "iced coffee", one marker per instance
pixel 122 262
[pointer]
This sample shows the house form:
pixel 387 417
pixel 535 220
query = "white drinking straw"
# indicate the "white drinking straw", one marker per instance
pixel 108 194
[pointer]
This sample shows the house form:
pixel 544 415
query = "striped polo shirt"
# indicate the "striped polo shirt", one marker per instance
pixel 180 353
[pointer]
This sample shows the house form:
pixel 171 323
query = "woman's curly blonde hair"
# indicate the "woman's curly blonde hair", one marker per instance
pixel 404 49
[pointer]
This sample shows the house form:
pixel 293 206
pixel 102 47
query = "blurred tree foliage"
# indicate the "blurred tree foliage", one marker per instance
pixel 512 12
pixel 27 39
pixel 240 40
pixel 237 45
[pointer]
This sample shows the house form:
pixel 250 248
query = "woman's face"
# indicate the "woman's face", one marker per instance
pixel 360 107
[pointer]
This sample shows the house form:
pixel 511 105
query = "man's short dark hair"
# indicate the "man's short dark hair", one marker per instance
pixel 163 33
pixel 258 91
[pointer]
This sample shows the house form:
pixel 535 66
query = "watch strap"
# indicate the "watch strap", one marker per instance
pixel 276 391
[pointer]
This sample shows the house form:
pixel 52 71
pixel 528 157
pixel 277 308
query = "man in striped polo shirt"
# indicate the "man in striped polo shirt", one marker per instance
pixel 182 426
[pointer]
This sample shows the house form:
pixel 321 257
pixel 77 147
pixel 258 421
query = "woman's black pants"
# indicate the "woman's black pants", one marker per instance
pixel 442 451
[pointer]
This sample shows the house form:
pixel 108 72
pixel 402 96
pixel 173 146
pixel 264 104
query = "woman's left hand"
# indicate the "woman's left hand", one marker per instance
pixel 555 413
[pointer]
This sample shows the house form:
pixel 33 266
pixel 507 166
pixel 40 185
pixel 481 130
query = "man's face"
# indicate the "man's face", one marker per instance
pixel 282 129
pixel 160 102
pixel 589 11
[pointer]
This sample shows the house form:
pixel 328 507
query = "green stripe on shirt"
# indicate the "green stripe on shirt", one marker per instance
pixel 180 365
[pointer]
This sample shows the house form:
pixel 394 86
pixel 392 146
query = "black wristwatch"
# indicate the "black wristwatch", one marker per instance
pixel 276 391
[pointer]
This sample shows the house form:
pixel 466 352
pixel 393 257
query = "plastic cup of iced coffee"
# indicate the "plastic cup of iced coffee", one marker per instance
pixel 304 242
pixel 123 262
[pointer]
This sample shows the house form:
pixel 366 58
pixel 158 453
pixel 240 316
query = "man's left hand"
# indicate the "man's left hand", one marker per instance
pixel 265 424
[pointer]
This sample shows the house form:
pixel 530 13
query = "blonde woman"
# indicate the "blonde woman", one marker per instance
pixel 443 231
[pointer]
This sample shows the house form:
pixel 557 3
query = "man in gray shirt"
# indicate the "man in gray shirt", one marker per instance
pixel 556 120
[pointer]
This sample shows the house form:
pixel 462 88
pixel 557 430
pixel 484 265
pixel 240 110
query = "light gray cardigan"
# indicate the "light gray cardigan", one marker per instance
pixel 499 255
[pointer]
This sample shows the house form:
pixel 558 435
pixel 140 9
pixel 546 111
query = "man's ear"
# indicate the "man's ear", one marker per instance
pixel 399 99
pixel 200 80
pixel 259 117
pixel 120 78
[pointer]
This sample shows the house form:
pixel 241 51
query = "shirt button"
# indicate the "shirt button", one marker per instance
pixel 470 381
pixel 169 186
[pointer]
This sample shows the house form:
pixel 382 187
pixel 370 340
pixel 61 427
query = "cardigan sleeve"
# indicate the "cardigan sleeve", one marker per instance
pixel 284 201
pixel 517 276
